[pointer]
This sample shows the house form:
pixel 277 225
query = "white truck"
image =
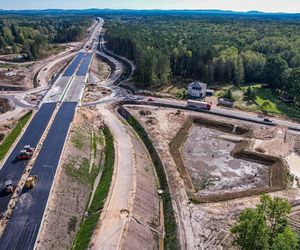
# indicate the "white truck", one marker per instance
pixel 199 104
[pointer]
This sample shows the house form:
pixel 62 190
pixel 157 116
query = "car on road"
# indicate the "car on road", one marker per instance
pixel 150 99
pixel 26 153
pixel 267 120
pixel 28 148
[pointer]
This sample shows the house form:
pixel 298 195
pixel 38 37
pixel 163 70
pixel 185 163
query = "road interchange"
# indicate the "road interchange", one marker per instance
pixel 26 229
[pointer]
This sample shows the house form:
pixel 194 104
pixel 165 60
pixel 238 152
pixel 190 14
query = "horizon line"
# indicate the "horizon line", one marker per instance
pixel 156 9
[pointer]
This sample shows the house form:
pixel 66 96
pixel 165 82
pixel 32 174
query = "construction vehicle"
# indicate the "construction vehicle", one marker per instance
pixel 199 104
pixel 9 186
pixel 31 182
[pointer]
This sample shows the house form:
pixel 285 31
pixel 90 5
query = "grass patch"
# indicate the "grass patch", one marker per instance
pixel 12 137
pixel 81 173
pixel 275 105
pixel 72 224
pixel 171 238
pixel 88 225
pixel 77 140
pixel 265 100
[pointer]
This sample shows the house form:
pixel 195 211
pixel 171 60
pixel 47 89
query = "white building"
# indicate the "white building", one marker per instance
pixel 197 90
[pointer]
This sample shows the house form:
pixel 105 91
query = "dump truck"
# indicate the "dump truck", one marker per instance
pixel 31 182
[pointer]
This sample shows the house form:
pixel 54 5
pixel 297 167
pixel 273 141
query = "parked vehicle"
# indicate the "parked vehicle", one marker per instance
pixel 199 104
pixel 267 120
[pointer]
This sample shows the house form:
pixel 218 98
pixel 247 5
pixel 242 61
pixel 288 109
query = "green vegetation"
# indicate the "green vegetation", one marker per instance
pixel 214 49
pixel 12 137
pixel 81 174
pixel 171 238
pixel 89 223
pixel 265 227
pixel 77 140
pixel 266 100
pixel 36 35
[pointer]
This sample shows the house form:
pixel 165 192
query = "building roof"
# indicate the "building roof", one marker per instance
pixel 197 85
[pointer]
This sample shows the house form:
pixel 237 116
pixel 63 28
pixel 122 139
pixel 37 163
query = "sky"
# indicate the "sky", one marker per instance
pixel 290 6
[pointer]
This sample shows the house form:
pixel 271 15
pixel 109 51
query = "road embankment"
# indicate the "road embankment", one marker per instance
pixel 89 223
pixel 12 137
pixel 171 240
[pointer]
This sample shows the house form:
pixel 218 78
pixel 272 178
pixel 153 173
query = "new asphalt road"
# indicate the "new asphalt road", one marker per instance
pixel 74 64
pixel 12 168
pixel 23 226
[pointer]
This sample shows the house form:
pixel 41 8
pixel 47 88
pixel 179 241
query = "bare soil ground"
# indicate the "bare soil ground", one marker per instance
pixel 35 98
pixel 12 75
pixel 94 93
pixel 73 184
pixel 202 226
pixel 7 126
pixel 212 169
pixel 100 71
pixel 5 105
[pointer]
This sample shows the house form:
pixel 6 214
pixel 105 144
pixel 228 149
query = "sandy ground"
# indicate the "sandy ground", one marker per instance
pixel 100 71
pixel 294 162
pixel 35 98
pixel 5 105
pixel 212 168
pixel 94 93
pixel 201 226
pixel 118 206
pixel 19 73
pixel 70 193
pixel 7 126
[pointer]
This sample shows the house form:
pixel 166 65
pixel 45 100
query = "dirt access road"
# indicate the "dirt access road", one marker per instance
pixel 108 234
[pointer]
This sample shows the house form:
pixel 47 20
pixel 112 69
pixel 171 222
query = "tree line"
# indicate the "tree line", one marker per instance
pixel 35 35
pixel 215 50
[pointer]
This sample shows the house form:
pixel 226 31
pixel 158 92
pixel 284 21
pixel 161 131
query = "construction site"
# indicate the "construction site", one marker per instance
pixel 90 163
pixel 218 167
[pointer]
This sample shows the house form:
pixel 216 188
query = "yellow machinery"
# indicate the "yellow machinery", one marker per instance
pixel 31 182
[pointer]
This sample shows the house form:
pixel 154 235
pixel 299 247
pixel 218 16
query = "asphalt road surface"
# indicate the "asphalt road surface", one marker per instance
pixel 23 226
pixel 74 64
pixel 84 67
pixel 12 168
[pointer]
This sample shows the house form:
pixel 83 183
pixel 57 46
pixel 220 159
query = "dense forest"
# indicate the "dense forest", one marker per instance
pixel 213 49
pixel 34 35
